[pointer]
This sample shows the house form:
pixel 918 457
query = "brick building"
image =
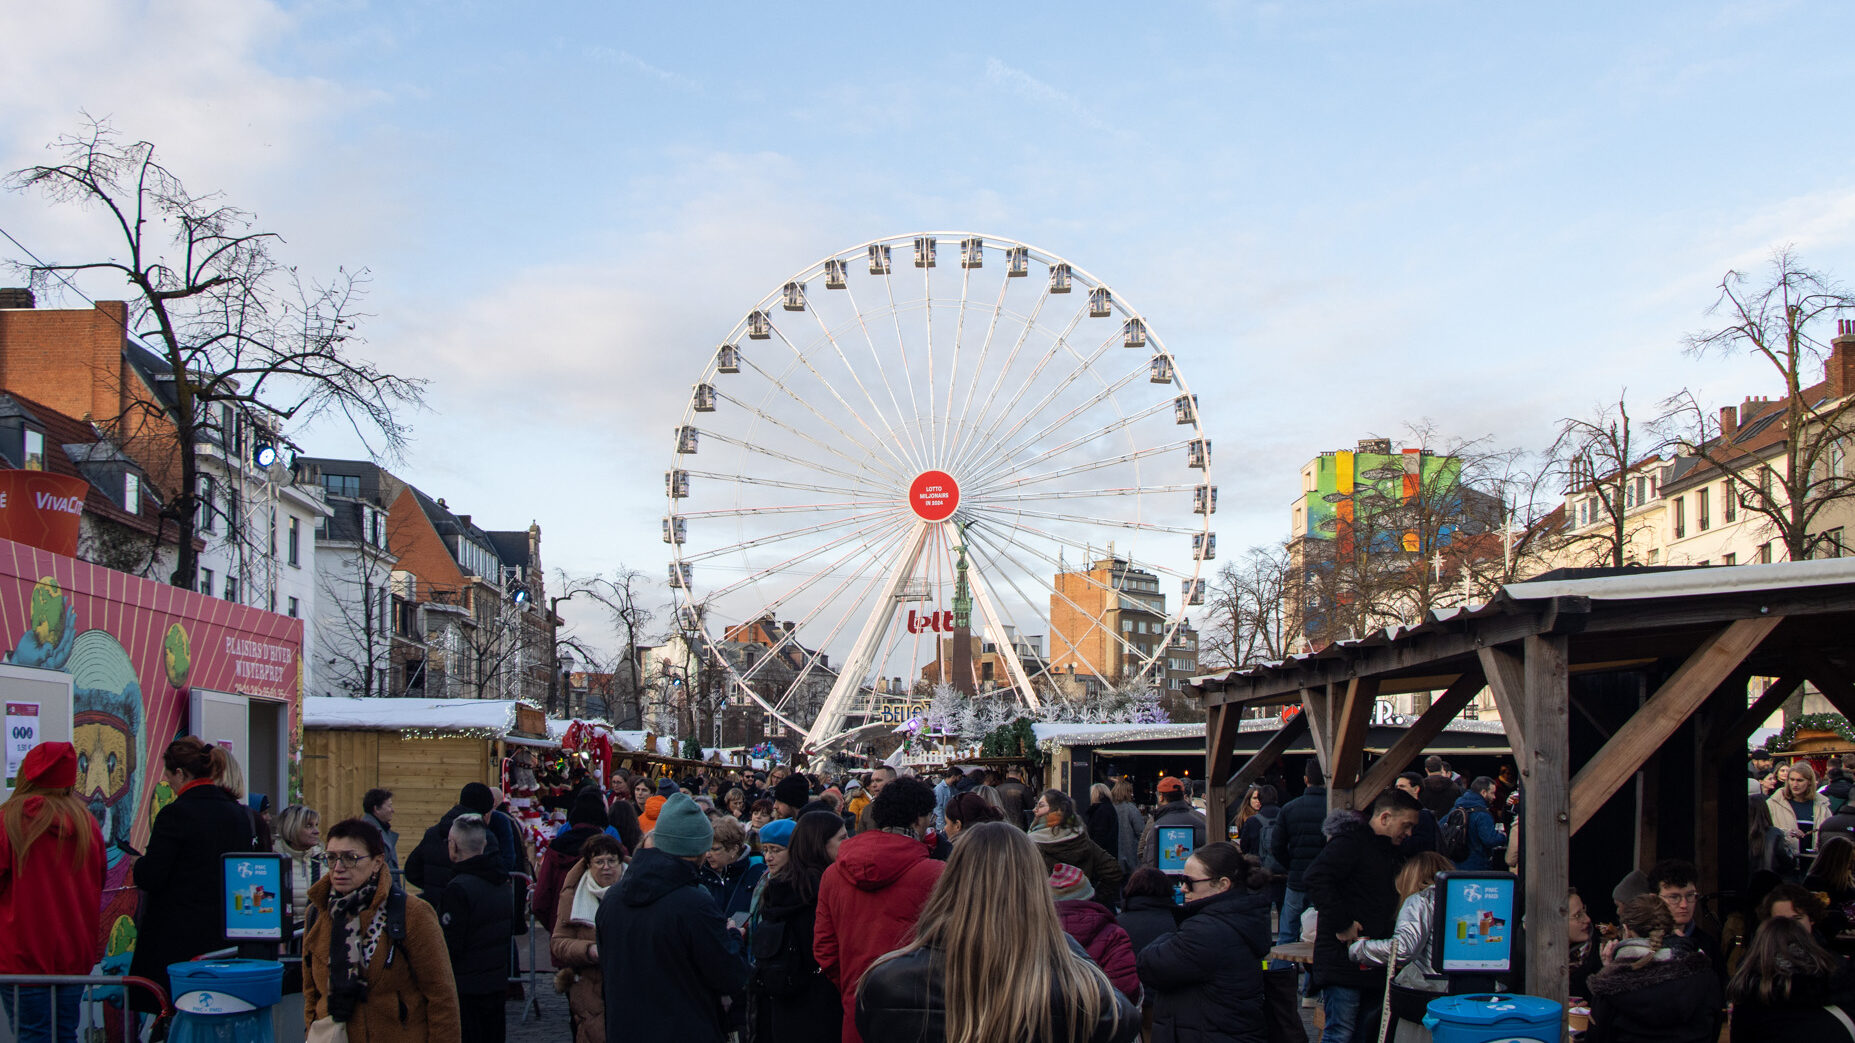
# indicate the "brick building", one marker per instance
pixel 1105 622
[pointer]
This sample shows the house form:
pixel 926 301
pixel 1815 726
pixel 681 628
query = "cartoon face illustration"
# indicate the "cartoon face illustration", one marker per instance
pixel 106 729
pixel 102 760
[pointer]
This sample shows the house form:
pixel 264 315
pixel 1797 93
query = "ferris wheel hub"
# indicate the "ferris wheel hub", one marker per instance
pixel 933 496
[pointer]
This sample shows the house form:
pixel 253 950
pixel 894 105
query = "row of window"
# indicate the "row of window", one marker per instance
pixel 230 592
pixel 1703 508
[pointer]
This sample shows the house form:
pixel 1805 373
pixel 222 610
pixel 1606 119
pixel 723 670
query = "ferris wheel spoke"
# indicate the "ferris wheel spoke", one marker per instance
pixel 1020 525
pixel 985 351
pixel 892 534
pixel 1103 394
pixel 843 618
pixel 779 537
pixel 901 344
pixel 766 450
pixel 1097 520
pixel 777 484
pixel 1080 494
pixel 964 446
pixel 882 370
pixel 1072 641
pixel 1083 365
pixel 1095 465
pixel 874 438
pixel 913 463
pixel 978 444
pixel 798 559
pixel 848 438
pixel 1007 465
pixel 820 443
pixel 790 508
pixel 1129 648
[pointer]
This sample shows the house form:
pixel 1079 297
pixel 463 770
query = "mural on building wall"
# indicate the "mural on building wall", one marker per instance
pixel 135 649
pixel 1346 479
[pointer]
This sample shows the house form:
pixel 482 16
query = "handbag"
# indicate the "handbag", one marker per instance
pixel 327 1030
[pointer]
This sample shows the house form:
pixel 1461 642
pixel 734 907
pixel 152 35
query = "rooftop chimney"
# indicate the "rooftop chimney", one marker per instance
pixel 1839 371
pixel 17 297
pixel 1729 422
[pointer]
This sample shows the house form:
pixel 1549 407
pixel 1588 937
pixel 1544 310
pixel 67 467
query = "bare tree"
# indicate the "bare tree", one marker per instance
pixel 1246 618
pixel 354 623
pixel 231 323
pixel 1778 321
pixel 622 596
pixel 1596 458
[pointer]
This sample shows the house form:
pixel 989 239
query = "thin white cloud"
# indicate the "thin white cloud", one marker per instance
pixel 1027 86
pixel 627 60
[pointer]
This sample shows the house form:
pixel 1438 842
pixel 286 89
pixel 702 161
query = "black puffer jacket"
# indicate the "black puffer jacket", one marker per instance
pixel 1104 825
pixel 1298 837
pixel 1206 977
pixel 1148 918
pixel 1675 999
pixel 180 880
pixel 1801 1015
pixel 793 1000
pixel 661 935
pixel 1353 879
pixel 429 865
pixel 902 1001
pixel 476 909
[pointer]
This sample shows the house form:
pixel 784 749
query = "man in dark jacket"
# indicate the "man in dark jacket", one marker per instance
pixel 1353 882
pixel 429 865
pixel 1424 837
pixel 1016 797
pixel 475 910
pixel 1439 791
pixel 1173 810
pixel 1297 840
pixel 1483 837
pixel 661 936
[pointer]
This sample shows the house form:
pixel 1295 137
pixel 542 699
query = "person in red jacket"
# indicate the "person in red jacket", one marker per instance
pixel 1093 926
pixel 51 892
pixel 871 896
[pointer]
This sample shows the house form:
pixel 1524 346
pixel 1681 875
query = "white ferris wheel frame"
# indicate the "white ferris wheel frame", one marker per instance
pixel 863 530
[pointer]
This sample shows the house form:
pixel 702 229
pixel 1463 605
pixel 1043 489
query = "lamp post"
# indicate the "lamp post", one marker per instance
pixel 553 622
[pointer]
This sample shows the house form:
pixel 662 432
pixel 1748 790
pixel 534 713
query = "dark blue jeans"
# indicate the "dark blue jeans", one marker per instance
pixel 30 1009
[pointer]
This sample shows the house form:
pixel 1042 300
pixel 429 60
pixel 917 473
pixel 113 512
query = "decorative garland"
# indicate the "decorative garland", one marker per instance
pixel 1817 722
pixel 1013 740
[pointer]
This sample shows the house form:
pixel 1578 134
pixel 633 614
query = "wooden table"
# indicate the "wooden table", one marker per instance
pixel 1294 952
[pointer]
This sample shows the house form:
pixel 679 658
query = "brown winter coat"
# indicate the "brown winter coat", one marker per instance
pixel 412 1001
pixel 571 950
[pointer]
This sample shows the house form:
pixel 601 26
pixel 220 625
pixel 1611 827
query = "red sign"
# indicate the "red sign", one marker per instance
pixel 42 510
pixel 934 496
pixel 939 621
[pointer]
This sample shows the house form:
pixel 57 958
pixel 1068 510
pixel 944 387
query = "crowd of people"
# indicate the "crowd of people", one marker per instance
pixel 781 906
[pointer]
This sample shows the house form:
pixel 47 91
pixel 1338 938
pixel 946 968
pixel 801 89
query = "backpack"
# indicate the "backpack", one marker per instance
pixel 1265 843
pixel 1452 835
pixel 395 926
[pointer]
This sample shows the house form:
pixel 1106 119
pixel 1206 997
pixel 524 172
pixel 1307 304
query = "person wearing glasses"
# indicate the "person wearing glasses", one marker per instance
pixel 1654 985
pixel 375 965
pixel 1206 977
pixel 1677 884
pixel 574 945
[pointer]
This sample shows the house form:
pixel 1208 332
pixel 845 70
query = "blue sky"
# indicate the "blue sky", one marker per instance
pixel 1342 217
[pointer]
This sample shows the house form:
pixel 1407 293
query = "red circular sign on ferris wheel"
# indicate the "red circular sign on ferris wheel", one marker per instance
pixel 933 496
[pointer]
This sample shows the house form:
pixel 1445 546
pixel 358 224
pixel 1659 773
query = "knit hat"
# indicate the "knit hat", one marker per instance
pixel 1069 882
pixel 778 831
pixel 666 787
pixel 588 809
pixel 1171 784
pixel 52 765
pixel 793 791
pixel 476 797
pixel 683 828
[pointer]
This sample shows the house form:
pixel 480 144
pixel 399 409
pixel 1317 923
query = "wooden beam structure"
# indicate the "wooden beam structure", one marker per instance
pixel 1287 735
pixel 1833 681
pixel 1736 732
pixel 1417 737
pixel 1314 704
pixel 1348 750
pixel 1224 722
pixel 1683 693
pixel 1506 676
pixel 1545 836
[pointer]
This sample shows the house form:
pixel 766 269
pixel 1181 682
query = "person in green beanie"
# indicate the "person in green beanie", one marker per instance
pixel 664 943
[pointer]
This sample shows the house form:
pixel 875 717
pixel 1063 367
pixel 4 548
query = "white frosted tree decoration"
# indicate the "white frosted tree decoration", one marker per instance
pixel 943 707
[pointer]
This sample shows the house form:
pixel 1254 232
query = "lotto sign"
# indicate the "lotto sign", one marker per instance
pixel 22 734
pixel 934 495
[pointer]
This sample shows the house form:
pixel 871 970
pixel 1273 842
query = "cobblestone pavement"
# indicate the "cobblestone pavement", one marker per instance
pixel 541 1016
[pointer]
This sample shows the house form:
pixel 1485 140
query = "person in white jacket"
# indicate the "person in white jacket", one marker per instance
pixel 1412 989
pixel 1799 810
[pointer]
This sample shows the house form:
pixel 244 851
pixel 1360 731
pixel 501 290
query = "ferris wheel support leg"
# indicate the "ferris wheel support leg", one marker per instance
pixel 830 720
pixel 1001 639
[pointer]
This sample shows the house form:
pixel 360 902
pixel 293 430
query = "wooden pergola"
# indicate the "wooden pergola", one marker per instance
pixel 1627 697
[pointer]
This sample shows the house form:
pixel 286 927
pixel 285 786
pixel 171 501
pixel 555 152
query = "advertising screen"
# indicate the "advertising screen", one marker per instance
pixel 1175 846
pixel 1474 928
pixel 254 886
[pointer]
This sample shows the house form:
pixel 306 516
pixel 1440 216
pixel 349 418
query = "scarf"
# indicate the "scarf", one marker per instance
pixel 586 898
pixel 1632 949
pixel 350 950
pixel 1047 834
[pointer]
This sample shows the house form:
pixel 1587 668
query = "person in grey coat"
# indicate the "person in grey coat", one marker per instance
pixel 377 809
pixel 1133 825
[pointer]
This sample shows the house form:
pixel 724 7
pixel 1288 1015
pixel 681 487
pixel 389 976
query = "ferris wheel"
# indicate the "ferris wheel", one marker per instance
pixel 945 457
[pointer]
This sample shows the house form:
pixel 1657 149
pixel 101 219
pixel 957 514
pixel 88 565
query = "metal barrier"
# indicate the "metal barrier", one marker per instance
pixel 12 984
pixel 531 998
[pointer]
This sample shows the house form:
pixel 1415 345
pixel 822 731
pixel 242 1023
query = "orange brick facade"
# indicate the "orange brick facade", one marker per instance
pixel 1087 614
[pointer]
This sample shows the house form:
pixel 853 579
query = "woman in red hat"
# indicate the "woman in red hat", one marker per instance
pixel 51 892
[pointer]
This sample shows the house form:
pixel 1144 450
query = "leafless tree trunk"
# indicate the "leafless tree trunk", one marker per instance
pixel 1246 621
pixel 1595 455
pixel 1778 321
pixel 232 325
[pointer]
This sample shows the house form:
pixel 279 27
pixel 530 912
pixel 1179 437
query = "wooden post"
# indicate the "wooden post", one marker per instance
pixel 1732 733
pixel 1314 704
pixel 1545 837
pixel 1417 737
pixel 1348 748
pixel 1506 681
pixel 1285 736
pixel 1220 737
pixel 1678 697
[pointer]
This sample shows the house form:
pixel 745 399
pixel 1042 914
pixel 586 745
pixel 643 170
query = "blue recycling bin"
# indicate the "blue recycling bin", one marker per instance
pixel 224 1001
pixel 1497 1018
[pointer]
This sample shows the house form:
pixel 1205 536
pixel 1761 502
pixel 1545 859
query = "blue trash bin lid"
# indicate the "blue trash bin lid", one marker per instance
pixel 258 982
pixel 1493 1009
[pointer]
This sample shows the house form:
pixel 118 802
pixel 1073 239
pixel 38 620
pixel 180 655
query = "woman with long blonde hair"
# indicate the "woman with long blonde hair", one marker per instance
pixel 991 961
pixel 51 892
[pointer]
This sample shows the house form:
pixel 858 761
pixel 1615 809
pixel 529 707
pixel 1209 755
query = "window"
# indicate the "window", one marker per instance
pixel 132 493
pixel 1702 516
pixel 1681 516
pixel 1729 559
pixel 1653 554
pixel 1831 545
pixel 206 582
pixel 209 506
pixel 296 541
pixel 1729 501
pixel 35 451
pixel 231 588
pixel 1764 554
pixel 1584 513
pixel 342 484
pixel 1127 626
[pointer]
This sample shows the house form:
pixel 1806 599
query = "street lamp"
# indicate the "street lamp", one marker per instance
pixel 553 620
